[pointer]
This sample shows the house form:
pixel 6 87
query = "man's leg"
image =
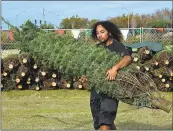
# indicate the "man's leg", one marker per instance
pixel 108 110
pixel 95 110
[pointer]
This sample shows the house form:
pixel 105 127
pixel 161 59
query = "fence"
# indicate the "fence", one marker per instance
pixel 130 35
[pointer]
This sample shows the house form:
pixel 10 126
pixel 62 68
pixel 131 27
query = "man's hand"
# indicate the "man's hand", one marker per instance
pixel 112 73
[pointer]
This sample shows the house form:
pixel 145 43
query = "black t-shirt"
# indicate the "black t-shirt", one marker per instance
pixel 117 47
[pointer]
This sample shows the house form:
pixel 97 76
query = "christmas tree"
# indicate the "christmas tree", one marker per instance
pixel 77 58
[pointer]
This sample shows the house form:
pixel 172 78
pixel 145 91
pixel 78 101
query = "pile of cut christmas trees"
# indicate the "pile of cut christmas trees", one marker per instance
pixel 23 72
pixel 155 62
pixel 76 58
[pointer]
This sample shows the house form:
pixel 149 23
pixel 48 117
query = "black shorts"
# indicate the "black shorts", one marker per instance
pixel 104 111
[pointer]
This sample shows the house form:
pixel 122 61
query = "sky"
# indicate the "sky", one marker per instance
pixel 16 12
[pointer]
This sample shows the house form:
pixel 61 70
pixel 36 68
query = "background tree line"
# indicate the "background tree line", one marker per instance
pixel 162 18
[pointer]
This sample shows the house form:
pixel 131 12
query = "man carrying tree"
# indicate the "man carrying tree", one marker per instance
pixel 103 108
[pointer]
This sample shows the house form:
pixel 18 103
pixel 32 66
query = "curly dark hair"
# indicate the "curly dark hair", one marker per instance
pixel 110 27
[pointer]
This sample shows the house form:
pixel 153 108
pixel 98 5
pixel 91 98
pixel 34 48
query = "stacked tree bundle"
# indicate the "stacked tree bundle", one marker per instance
pixel 80 83
pixel 25 72
pixel 76 58
pixel 159 66
pixel 9 68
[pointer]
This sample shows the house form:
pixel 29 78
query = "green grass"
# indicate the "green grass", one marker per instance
pixel 69 109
